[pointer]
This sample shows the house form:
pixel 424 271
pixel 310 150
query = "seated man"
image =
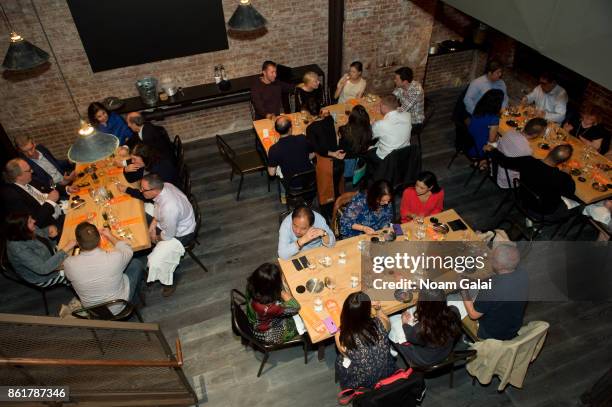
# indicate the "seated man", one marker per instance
pixel 392 132
pixel 499 312
pixel 301 230
pixel 544 178
pixel 550 99
pixel 291 153
pixel 99 276
pixel 46 169
pixel 411 96
pixel 492 79
pixel 18 195
pixel 266 92
pixel 173 215
pixel 150 135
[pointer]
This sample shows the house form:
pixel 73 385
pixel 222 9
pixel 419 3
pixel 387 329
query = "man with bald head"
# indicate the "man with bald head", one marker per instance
pixel 292 153
pixel 550 183
pixel 148 134
pixel 499 311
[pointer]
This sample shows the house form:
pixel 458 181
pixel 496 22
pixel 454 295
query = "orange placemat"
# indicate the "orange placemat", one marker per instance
pixel 311 318
pixel 130 221
pixel 114 171
pixel 119 199
pixel 334 311
pixel 78 219
pixel 353 102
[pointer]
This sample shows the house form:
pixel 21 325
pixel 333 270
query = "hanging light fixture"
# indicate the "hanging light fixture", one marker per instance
pixel 246 18
pixel 21 54
pixel 92 144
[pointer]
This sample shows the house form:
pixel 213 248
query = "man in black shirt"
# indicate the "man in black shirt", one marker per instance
pixel 544 178
pixel 499 311
pixel 266 92
pixel 291 153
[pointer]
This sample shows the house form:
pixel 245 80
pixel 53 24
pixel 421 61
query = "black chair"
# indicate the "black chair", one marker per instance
pixel 185 180
pixel 243 163
pixel 102 311
pixel 252 110
pixel 456 355
pixel 9 272
pixel 400 167
pixel 242 327
pixel 463 139
pixel 198 218
pixel 300 189
pixel 179 152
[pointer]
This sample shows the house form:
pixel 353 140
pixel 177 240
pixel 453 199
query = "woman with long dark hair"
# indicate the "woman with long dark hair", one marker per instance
pixel 108 122
pixel 433 331
pixel 355 138
pixel 32 254
pixel 368 211
pixel 485 121
pixel 425 198
pixel 270 308
pixel 363 343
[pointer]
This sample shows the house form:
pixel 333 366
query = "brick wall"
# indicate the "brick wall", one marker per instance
pixel 450 24
pixel 602 97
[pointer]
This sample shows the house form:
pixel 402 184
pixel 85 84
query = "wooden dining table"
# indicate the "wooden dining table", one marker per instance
pixel 129 212
pixel 342 274
pixel 586 166
pixel 301 120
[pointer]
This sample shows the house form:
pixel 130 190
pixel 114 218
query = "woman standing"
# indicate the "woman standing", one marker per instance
pixel 425 198
pixel 110 123
pixel 351 85
pixel 363 344
pixel 368 211
pixel 355 138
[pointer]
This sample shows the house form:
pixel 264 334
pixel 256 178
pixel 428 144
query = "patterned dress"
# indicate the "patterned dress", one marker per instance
pixel 358 212
pixel 368 364
pixel 273 323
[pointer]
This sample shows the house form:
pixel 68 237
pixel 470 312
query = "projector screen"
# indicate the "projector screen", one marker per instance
pixel 118 33
pixel 576 34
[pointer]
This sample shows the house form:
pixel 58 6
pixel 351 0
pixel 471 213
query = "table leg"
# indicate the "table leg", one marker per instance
pixel 321 352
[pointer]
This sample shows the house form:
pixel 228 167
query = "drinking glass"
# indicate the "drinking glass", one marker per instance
pixel 420 232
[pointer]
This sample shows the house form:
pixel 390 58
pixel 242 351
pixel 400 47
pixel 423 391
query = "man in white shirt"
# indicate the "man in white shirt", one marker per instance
pixel 173 215
pixel 100 276
pixel 392 132
pixel 549 98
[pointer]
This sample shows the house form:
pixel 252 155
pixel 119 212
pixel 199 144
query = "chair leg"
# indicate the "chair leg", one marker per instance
pixel 482 181
pixel 305 352
pixel 44 295
pixel 467 181
pixel 452 159
pixel 263 362
pixel 195 258
pixel 452 375
pixel 239 187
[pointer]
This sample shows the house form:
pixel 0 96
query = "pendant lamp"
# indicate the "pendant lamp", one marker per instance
pixel 246 18
pixel 21 54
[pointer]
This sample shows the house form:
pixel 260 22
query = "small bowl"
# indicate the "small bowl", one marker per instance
pixel 314 285
pixel 440 228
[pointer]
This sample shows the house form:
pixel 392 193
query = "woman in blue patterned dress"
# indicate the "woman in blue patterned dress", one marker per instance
pixel 368 211
pixel 363 343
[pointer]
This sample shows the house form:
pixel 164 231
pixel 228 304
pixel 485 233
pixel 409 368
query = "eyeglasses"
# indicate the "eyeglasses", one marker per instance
pixel 28 170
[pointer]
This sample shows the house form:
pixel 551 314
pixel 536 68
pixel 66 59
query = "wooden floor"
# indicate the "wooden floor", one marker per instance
pixel 238 236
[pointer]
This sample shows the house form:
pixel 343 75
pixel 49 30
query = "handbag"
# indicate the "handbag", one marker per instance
pixel 360 171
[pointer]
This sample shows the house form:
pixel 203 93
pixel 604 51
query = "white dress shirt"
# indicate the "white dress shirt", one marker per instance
pixel 392 132
pixel 41 198
pixel 49 168
pixel 173 212
pixel 554 103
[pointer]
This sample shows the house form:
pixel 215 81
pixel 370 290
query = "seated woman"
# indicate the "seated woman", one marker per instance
pixel 355 137
pixel 310 88
pixel 484 122
pixel 368 211
pixel 363 344
pixel 589 129
pixel 270 307
pixel 425 198
pixel 431 335
pixel 351 85
pixel 31 252
pixel 110 123
pixel 144 160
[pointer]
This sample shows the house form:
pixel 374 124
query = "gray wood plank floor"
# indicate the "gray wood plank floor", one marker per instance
pixel 238 236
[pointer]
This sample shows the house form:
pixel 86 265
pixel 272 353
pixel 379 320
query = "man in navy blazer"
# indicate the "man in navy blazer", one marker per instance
pixel 47 171
pixel 150 135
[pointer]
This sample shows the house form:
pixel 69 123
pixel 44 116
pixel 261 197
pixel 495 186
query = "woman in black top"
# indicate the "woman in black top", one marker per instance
pixel 144 160
pixel 356 134
pixel 310 88
pixel 430 338
pixel 589 129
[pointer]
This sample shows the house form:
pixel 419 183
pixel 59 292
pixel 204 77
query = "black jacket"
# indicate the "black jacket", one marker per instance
pixel 155 137
pixel 15 199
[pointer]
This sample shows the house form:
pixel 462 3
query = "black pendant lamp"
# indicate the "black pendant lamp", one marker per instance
pixel 21 54
pixel 246 18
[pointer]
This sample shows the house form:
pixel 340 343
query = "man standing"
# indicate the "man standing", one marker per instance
pixel 149 134
pixel 301 230
pixel 46 169
pixel 173 215
pixel 481 85
pixel 19 196
pixel 550 99
pixel 99 276
pixel 410 94
pixel 266 92
pixel 392 132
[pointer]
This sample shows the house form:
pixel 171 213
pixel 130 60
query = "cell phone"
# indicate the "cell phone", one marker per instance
pixel 397 228
pixel 296 263
pixel 330 325
pixel 456 225
pixel 304 261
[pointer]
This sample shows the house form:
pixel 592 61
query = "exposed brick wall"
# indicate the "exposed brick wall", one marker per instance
pixel 450 24
pixel 450 70
pixel 602 97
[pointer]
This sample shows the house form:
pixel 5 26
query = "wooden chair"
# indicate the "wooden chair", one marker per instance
pixel 339 205
pixel 198 218
pixel 102 311
pixel 242 327
pixel 241 164
pixel 10 273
